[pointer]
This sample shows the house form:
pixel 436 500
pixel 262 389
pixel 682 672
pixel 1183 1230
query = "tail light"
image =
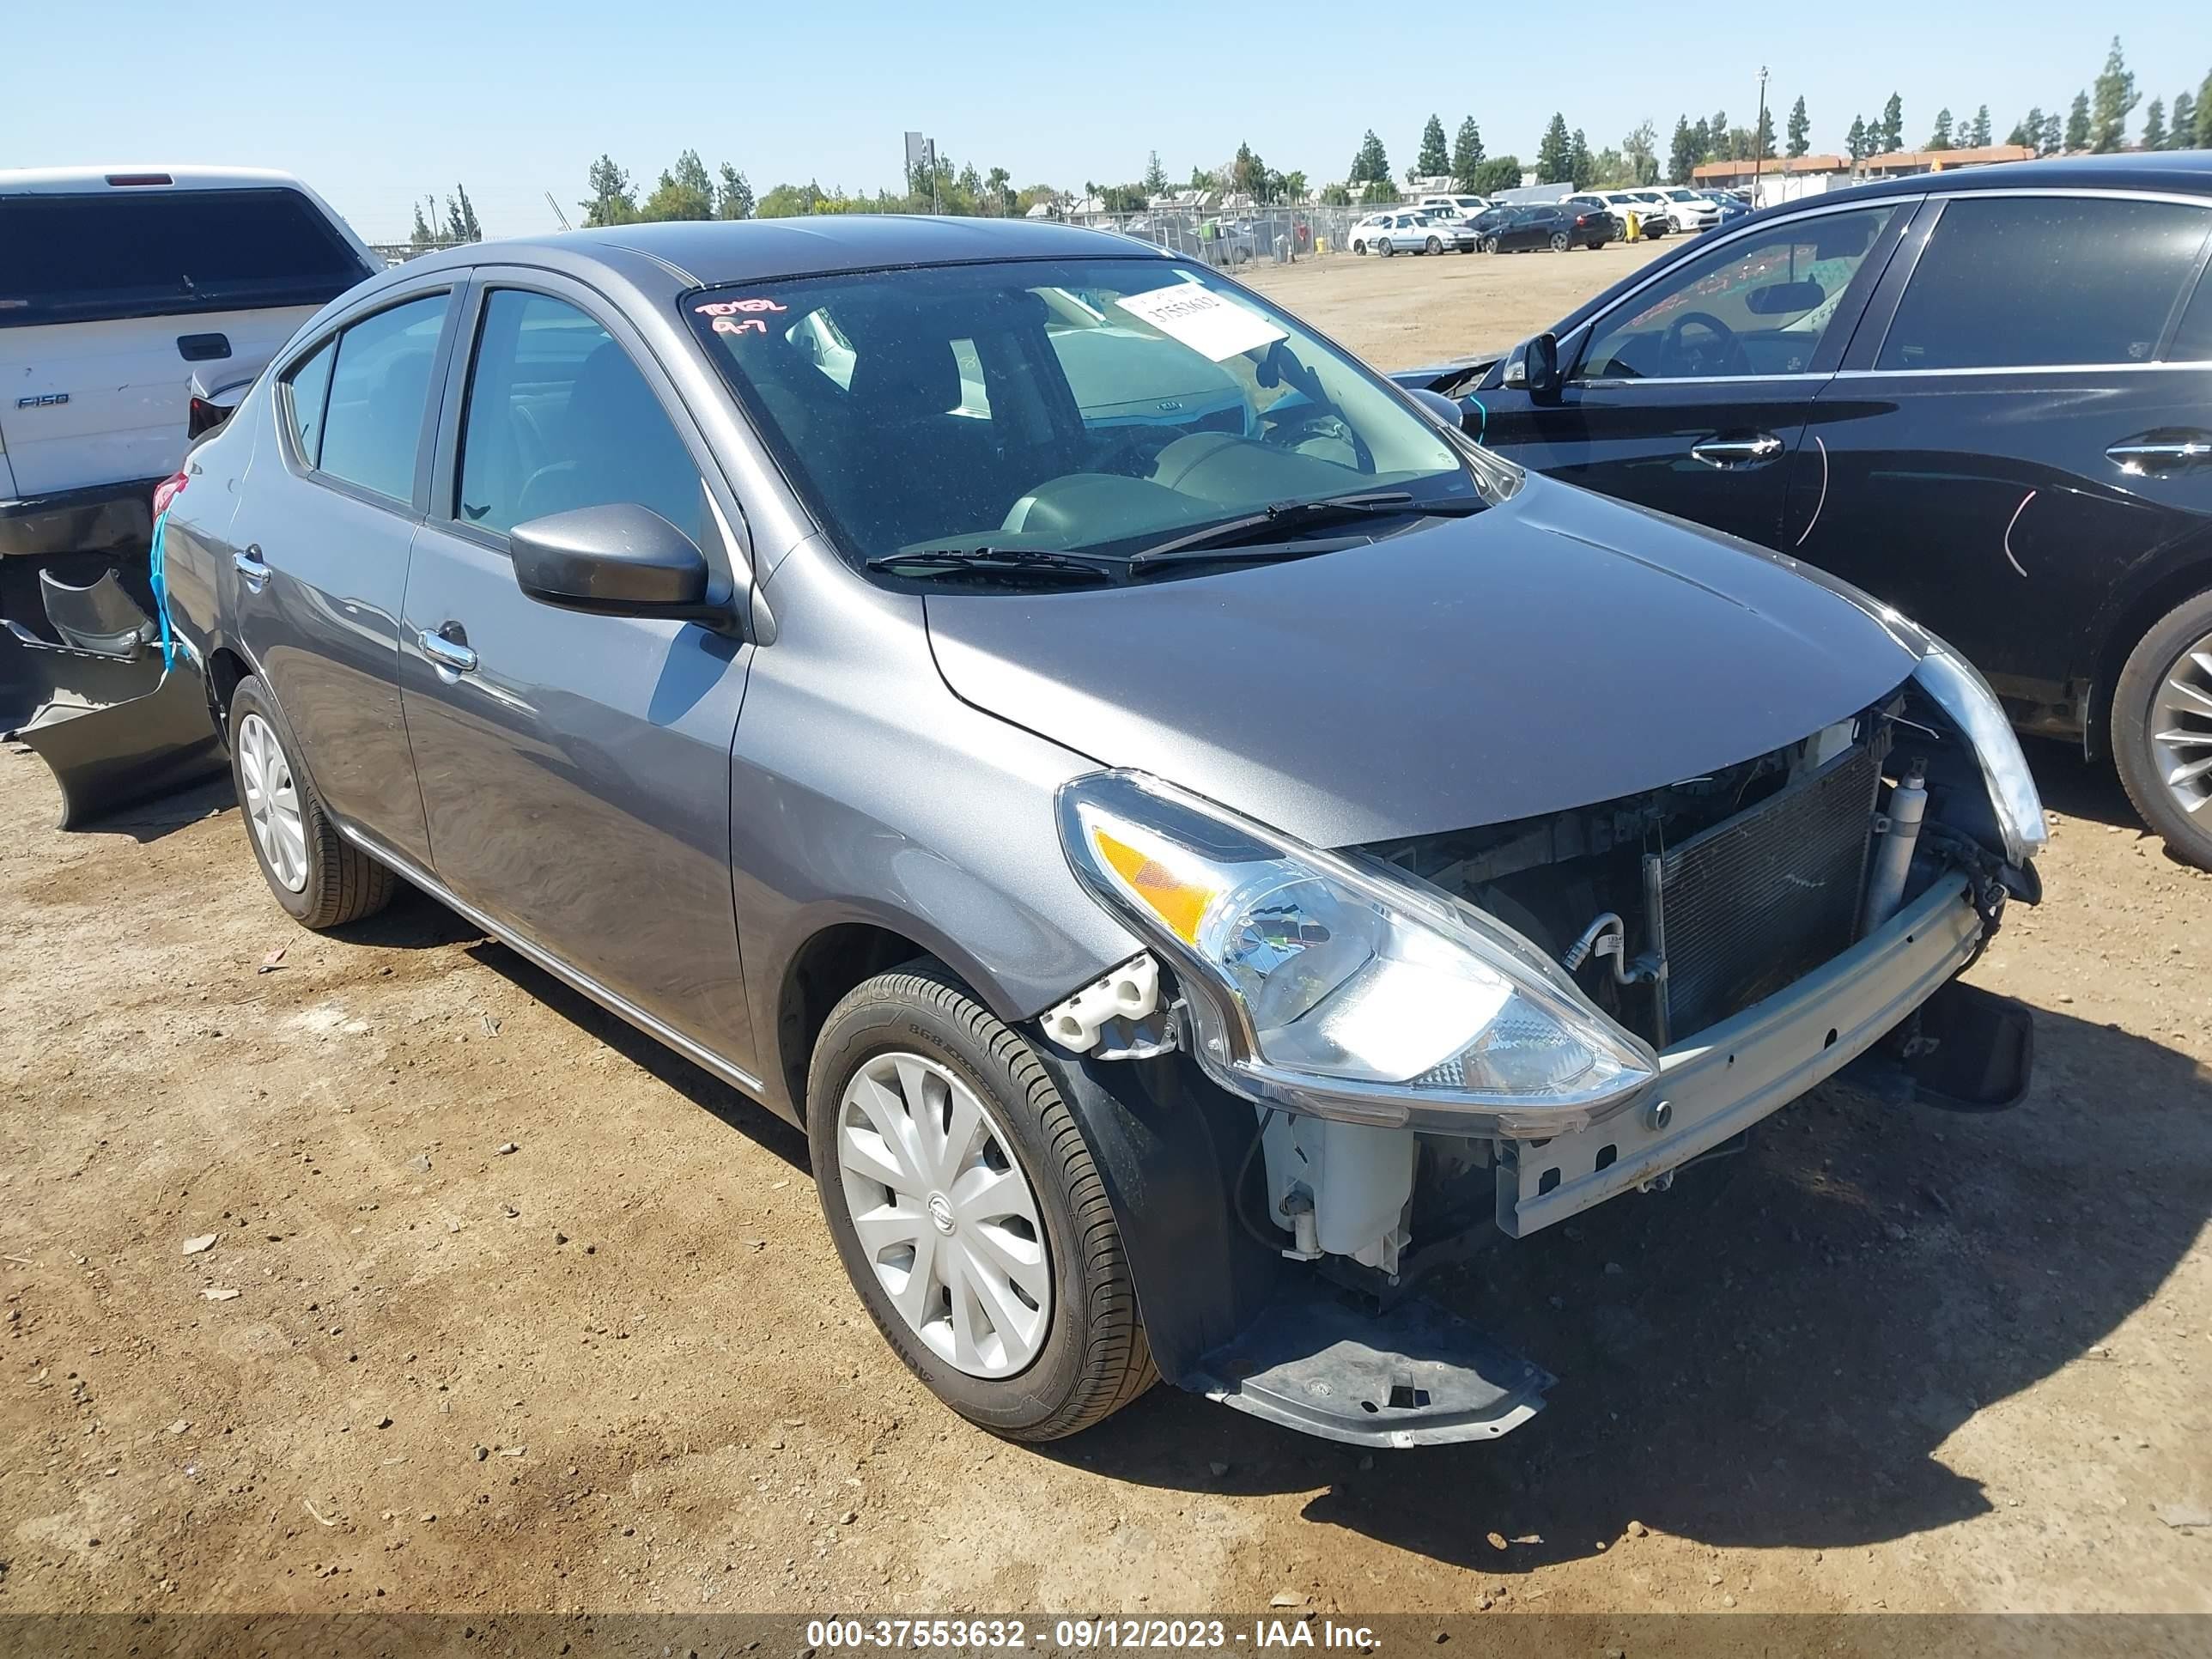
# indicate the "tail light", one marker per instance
pixel 202 417
pixel 167 490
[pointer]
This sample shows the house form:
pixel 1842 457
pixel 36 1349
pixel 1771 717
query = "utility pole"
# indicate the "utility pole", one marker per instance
pixel 1758 138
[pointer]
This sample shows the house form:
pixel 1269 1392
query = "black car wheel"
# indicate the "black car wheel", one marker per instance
pixel 1558 241
pixel 322 879
pixel 2161 729
pixel 967 1211
pixel 1486 243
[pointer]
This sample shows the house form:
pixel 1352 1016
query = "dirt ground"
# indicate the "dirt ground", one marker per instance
pixel 510 1309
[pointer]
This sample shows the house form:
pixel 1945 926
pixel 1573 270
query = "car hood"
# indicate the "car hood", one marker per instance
pixel 1553 652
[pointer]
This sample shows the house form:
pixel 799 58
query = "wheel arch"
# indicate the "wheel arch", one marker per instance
pixel 2131 619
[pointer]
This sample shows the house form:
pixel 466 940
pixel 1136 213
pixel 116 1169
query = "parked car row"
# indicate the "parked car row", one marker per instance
pixel 1558 226
pixel 1406 231
pixel 1984 395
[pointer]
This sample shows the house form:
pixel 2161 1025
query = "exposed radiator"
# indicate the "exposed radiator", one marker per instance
pixel 1741 910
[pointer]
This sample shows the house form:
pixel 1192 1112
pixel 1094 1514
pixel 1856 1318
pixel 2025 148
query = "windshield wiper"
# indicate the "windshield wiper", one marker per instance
pixel 1294 516
pixel 1040 561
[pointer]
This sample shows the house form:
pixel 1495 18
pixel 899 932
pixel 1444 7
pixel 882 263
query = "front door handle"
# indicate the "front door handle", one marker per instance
pixel 2169 450
pixel 1753 449
pixel 248 564
pixel 448 654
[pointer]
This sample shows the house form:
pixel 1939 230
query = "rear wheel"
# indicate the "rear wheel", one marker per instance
pixel 1385 248
pixel 1558 241
pixel 967 1211
pixel 2162 729
pixel 321 880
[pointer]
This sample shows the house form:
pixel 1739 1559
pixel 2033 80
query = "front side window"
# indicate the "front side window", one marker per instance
pixel 559 418
pixel 1095 404
pixel 379 394
pixel 1761 304
pixel 2008 281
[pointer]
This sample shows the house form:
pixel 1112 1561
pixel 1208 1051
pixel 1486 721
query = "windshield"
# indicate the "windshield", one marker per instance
pixel 1094 404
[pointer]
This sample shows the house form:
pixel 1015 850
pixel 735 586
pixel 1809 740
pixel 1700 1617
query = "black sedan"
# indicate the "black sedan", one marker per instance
pixel 1523 229
pixel 1985 396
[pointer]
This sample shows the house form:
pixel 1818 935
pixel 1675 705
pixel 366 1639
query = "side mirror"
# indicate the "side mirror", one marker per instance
pixel 1440 409
pixel 1534 368
pixel 619 560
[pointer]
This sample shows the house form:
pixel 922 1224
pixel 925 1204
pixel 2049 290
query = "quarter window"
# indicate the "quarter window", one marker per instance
pixel 380 393
pixel 559 418
pixel 305 390
pixel 2007 280
pixel 1762 305
pixel 2192 341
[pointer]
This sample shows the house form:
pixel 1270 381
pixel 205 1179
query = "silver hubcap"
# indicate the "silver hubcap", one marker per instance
pixel 272 803
pixel 946 1217
pixel 2181 727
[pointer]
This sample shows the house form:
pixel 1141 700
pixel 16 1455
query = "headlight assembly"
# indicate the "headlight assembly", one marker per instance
pixel 1322 986
pixel 1966 696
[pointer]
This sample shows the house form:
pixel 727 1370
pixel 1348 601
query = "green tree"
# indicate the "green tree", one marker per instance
pixel 1465 155
pixel 2204 112
pixel 461 217
pixel 1498 173
pixel 1801 129
pixel 1979 134
pixel 1639 153
pixel 2077 123
pixel 2030 130
pixel 1156 176
pixel 1717 133
pixel 1764 138
pixel 2053 137
pixel 1701 138
pixel 734 197
pixel 2153 132
pixel 1684 153
pixel 1940 138
pixel 684 191
pixel 1434 161
pixel 1335 196
pixel 1554 156
pixel 1248 173
pixel 1372 164
pixel 612 201
pixel 2185 122
pixel 1581 165
pixel 2113 95
pixel 997 188
pixel 793 201
pixel 1855 141
pixel 1293 187
pixel 422 236
pixel 1892 123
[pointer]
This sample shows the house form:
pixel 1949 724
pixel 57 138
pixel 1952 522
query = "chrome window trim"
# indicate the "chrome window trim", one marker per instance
pixel 1699 379
pixel 2199 364
pixel 574 978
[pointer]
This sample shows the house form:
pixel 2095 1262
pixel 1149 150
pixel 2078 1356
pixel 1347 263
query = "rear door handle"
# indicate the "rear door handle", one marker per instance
pixel 449 654
pixel 247 562
pixel 1753 449
pixel 2167 451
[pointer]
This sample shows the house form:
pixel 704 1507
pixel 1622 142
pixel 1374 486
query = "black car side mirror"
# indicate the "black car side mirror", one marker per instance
pixel 1539 367
pixel 1443 410
pixel 618 560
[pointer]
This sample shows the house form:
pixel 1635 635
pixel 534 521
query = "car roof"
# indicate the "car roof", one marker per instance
pixel 2187 170
pixel 79 181
pixel 708 253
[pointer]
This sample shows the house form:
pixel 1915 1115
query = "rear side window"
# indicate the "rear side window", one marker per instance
pixel 380 391
pixel 154 251
pixel 2011 281
pixel 2192 341
pixel 306 390
pixel 559 417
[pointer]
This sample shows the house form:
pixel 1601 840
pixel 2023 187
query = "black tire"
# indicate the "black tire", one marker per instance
pixel 1094 1358
pixel 342 884
pixel 1360 248
pixel 1387 248
pixel 1558 241
pixel 1436 245
pixel 2134 697
pixel 1488 244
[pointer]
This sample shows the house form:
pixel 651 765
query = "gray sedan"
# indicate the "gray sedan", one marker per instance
pixel 1191 838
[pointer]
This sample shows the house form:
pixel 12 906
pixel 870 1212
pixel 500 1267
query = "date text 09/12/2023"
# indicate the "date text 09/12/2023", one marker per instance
pixel 1009 1635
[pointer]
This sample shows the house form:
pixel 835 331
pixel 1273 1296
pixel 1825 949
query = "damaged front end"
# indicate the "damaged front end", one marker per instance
pixel 1447 1038
pixel 97 703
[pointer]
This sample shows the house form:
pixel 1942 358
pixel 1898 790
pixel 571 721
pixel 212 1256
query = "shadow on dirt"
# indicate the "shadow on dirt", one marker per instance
pixel 1773 1353
pixel 2080 788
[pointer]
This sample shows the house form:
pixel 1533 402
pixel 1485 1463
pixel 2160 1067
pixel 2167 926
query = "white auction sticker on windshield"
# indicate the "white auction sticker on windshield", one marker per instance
pixel 1200 318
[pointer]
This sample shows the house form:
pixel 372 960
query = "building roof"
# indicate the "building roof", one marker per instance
pixel 1926 160
pixel 1772 164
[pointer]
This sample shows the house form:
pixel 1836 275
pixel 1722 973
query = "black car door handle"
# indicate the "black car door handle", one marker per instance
pixel 2170 450
pixel 1750 449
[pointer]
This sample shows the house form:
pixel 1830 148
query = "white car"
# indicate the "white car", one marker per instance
pixel 117 286
pixel 1649 210
pixel 1462 208
pixel 1688 209
pixel 1406 231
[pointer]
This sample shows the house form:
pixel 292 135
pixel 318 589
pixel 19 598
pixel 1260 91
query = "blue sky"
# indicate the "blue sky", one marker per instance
pixel 375 105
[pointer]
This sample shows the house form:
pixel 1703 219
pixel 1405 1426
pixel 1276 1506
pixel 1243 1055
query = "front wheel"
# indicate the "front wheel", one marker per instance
pixel 1360 248
pixel 967 1211
pixel 1488 245
pixel 1558 241
pixel 2162 729
pixel 1436 246
pixel 322 879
